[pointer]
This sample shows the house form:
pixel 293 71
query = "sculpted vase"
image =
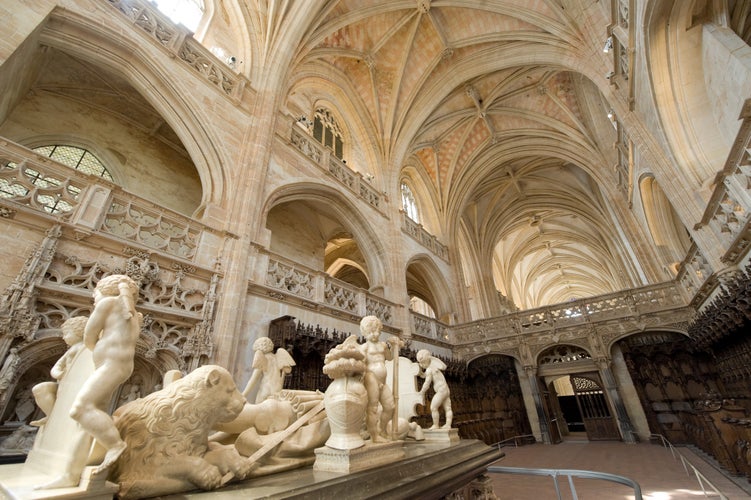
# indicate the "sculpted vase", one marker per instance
pixel 346 402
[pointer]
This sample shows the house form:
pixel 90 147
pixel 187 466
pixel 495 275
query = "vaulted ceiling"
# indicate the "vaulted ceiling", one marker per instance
pixel 496 108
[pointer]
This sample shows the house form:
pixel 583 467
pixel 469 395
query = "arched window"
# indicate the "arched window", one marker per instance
pixel 77 158
pixel 185 12
pixel 72 156
pixel 327 132
pixel 409 205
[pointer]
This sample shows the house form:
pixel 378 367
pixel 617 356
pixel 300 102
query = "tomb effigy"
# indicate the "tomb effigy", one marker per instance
pixel 200 432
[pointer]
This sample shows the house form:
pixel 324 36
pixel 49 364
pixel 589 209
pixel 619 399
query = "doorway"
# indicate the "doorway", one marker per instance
pixel 583 407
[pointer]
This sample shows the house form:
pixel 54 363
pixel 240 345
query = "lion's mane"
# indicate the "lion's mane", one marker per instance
pixel 174 421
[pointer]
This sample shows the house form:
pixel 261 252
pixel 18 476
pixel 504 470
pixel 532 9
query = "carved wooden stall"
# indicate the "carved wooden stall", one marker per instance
pixel 669 376
pixel 697 389
pixel 486 399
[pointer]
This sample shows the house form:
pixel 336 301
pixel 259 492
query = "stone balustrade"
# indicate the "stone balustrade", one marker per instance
pixel 322 157
pixel 179 42
pixel 429 328
pixel 422 236
pixel 318 288
pixel 95 204
pixel 579 313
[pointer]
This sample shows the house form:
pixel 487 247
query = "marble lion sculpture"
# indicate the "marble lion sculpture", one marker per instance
pixel 167 437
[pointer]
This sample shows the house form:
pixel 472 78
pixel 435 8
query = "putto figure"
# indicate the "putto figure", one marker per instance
pixel 376 354
pixel 269 369
pixel 110 333
pixel 45 393
pixel 434 375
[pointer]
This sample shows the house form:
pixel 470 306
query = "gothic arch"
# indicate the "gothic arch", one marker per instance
pixel 426 281
pixel 698 127
pixel 126 58
pixel 345 213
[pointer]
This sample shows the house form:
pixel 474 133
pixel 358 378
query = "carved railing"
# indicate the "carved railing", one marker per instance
pixel 179 43
pixel 429 328
pixel 629 303
pixel 44 185
pixel 318 288
pixel 416 231
pixel 322 157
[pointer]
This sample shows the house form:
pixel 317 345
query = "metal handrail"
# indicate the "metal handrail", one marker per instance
pixel 570 473
pixel 701 478
pixel 515 439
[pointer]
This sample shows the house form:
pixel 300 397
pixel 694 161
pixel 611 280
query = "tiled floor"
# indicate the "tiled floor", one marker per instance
pixel 660 476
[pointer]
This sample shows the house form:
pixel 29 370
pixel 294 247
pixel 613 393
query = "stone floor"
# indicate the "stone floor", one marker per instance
pixel 660 476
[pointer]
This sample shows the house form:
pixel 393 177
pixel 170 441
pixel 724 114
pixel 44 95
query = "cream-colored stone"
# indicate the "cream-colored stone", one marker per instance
pixel 167 433
pixel 433 373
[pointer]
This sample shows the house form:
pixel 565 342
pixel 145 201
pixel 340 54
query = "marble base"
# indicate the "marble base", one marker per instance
pixel 18 481
pixel 362 458
pixel 441 435
pixel 428 470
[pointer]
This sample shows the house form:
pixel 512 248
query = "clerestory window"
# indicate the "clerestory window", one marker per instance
pixel 327 132
pixel 409 205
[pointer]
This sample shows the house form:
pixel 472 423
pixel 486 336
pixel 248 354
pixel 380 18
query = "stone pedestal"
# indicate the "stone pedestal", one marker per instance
pixel 441 435
pixel 17 482
pixel 362 458
pixel 62 450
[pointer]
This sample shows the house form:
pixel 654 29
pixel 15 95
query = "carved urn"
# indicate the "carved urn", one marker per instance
pixel 346 399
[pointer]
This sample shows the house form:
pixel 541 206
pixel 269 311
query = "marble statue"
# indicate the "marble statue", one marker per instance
pixel 407 386
pixel 379 393
pixel 346 398
pixel 111 334
pixel 285 433
pixel 167 436
pixel 434 368
pixel 45 393
pixel 269 369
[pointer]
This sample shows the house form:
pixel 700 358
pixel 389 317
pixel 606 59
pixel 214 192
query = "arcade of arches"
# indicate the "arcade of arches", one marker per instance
pixel 553 197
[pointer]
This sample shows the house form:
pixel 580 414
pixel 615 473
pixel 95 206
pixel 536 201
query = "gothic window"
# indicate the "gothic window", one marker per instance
pixel 77 158
pixel 409 205
pixel 74 157
pixel 327 132
pixel 185 12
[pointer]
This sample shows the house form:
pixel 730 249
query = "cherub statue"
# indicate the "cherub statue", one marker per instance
pixel 269 369
pixel 45 393
pixel 379 392
pixel 111 334
pixel 434 375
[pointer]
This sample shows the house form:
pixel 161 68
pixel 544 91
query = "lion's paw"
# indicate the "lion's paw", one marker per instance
pixel 209 478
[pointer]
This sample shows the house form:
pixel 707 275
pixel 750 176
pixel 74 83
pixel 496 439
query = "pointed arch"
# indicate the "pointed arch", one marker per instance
pixel 125 56
pixel 337 206
pixel 426 281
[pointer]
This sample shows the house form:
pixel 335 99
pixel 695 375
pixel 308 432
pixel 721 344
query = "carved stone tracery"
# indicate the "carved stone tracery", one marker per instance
pixel 178 307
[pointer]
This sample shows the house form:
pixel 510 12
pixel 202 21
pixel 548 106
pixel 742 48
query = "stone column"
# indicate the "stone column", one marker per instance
pixel 531 372
pixel 611 388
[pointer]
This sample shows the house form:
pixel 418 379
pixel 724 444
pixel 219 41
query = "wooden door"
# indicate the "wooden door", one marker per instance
pixel 550 416
pixel 598 421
